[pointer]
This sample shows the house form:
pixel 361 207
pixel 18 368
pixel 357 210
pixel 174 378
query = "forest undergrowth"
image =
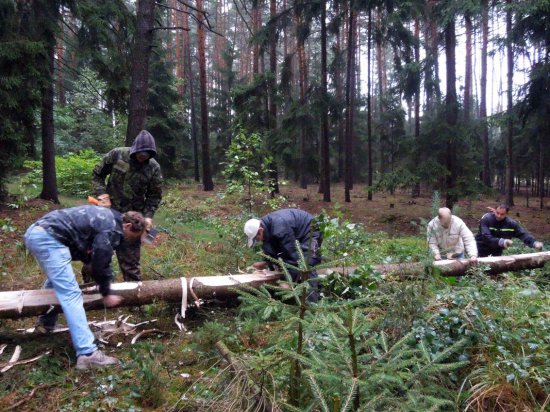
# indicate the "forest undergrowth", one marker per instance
pixel 372 343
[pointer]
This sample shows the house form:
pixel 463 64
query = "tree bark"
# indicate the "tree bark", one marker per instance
pixel 451 115
pixel 325 150
pixel 274 173
pixel 139 87
pixel 416 187
pixel 24 303
pixel 350 92
pixel 49 178
pixel 207 182
pixel 468 69
pixel 369 107
pixel 510 114
pixel 541 174
pixel 486 174
pixel 191 85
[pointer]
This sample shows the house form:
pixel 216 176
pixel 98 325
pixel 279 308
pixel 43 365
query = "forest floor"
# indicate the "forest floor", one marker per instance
pixel 201 234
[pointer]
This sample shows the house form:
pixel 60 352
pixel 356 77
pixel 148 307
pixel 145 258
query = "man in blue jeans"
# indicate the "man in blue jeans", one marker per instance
pixel 89 234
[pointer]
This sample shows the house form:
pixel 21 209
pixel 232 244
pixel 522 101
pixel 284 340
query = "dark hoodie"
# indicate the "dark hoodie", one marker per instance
pixel 131 185
pixel 144 142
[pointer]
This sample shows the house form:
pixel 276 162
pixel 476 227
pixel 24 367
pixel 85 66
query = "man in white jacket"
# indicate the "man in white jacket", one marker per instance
pixel 448 236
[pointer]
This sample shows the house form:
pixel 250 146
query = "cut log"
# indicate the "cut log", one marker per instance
pixel 24 303
pixel 494 265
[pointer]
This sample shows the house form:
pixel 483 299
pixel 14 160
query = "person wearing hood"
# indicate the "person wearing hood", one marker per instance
pixel 129 178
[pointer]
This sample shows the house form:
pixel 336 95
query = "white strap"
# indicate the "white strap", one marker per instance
pixel 178 319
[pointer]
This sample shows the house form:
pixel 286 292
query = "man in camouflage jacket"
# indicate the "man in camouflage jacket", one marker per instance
pixel 134 183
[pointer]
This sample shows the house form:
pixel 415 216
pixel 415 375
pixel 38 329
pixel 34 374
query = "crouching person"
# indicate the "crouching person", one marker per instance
pixel 448 237
pixel 89 234
pixel 278 231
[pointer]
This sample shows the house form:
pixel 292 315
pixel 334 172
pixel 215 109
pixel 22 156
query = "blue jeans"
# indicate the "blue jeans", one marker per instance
pixel 54 259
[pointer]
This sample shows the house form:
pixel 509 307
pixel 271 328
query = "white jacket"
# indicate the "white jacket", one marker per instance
pixel 453 239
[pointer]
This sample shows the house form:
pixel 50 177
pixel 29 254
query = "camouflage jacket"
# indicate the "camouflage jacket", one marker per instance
pixel 91 233
pixel 131 185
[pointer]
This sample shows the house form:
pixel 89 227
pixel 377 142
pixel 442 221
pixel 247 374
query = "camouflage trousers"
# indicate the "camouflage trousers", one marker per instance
pixel 128 255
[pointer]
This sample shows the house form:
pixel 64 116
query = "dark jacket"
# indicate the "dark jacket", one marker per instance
pixel 491 231
pixel 131 185
pixel 281 231
pixel 91 233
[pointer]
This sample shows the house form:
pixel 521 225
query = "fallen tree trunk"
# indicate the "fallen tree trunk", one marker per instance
pixel 494 265
pixel 24 303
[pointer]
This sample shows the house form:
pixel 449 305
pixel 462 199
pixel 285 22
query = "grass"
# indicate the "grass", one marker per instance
pixel 201 234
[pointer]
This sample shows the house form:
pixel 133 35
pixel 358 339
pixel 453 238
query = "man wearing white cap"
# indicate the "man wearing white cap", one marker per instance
pixel 278 231
pixel 448 236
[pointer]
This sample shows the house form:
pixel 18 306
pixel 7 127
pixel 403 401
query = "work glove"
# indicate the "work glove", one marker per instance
pixel 505 243
pixel 538 246
pixel 104 200
pixel 148 223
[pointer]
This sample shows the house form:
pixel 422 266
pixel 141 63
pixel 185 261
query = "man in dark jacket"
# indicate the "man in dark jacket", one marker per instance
pixel 496 230
pixel 278 231
pixel 135 183
pixel 89 234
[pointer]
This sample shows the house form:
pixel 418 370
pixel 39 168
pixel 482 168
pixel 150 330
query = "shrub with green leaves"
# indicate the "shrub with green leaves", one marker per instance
pixel 74 173
pixel 247 166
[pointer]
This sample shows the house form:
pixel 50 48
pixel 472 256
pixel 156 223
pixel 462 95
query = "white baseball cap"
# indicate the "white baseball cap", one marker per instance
pixel 251 228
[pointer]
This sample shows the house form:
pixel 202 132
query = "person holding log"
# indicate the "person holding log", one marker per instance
pixel 89 234
pixel 496 231
pixel 134 183
pixel 278 231
pixel 448 236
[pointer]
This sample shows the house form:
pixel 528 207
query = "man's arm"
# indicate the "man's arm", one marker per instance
pixel 522 234
pixel 432 241
pixel 102 253
pixel 153 195
pixel 101 171
pixel 469 241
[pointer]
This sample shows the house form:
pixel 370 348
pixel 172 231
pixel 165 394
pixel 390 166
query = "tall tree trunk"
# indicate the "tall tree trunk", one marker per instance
pixel 350 91
pixel 339 97
pixel 60 51
pixel 369 106
pixel 510 112
pixel 139 87
pixel 541 173
pixel 416 188
pixel 325 151
pixel 486 174
pixel 191 85
pixel 49 180
pixel 302 75
pixel 451 114
pixel 180 63
pixel 380 57
pixel 431 82
pixel 274 173
pixel 468 70
pixel 207 182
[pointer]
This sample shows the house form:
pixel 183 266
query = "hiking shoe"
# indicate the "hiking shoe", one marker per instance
pixel 96 360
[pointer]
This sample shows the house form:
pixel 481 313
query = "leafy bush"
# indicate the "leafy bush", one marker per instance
pixel 74 172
